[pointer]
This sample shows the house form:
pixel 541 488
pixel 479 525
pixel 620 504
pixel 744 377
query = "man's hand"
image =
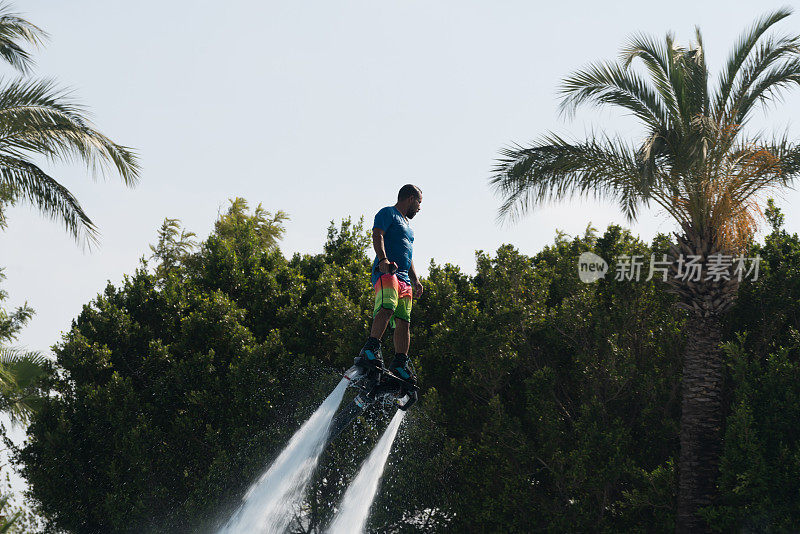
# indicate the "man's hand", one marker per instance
pixel 418 288
pixel 387 267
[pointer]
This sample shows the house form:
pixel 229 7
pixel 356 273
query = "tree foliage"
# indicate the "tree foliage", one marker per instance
pixel 698 164
pixel 695 161
pixel 21 373
pixel 548 404
pixel 38 119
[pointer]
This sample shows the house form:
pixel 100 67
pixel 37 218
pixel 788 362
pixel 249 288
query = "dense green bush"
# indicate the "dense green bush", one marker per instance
pixel 549 404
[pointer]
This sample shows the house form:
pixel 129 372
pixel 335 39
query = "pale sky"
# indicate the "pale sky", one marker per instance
pixel 323 110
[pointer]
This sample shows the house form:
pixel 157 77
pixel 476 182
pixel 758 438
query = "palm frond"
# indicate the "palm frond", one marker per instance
pixel 769 52
pixel 7 523
pixel 789 155
pixel 695 63
pixel 33 185
pixel 656 59
pixel 758 166
pixel 733 194
pixel 609 83
pixel 741 51
pixel 8 381
pixel 688 79
pixel 13 30
pixel 26 366
pixel 554 169
pixel 19 372
pixel 12 323
pixel 768 87
pixel 37 117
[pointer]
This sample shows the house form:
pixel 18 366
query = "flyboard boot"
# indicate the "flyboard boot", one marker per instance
pixel 402 368
pixel 370 356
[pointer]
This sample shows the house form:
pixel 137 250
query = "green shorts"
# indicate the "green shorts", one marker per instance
pixel 393 294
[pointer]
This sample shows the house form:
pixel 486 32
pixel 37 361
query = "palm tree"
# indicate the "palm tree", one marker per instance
pixel 20 372
pixel 697 163
pixel 21 376
pixel 39 119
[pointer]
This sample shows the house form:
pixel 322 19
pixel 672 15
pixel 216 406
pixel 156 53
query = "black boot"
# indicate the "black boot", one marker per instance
pixel 402 367
pixel 370 356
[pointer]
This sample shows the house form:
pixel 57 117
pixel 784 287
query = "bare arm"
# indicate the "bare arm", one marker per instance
pixel 377 243
pixel 412 274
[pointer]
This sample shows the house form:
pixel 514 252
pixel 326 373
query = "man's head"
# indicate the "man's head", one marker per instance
pixel 409 200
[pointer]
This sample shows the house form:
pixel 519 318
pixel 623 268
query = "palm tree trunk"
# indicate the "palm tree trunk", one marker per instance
pixel 701 421
pixel 702 379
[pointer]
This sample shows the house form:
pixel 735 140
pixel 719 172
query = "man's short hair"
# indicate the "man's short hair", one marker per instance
pixel 409 190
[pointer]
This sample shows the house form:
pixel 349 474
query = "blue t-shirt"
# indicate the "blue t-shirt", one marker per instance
pixel 398 238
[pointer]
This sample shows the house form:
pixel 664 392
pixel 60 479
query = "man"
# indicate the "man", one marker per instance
pixel 393 276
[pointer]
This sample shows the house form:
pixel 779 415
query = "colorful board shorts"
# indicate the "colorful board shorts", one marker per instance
pixel 393 294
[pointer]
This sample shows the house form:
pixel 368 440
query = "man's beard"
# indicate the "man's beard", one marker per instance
pixel 410 214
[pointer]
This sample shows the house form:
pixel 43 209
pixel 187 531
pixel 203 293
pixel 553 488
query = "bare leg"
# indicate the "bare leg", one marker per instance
pixel 380 322
pixel 402 336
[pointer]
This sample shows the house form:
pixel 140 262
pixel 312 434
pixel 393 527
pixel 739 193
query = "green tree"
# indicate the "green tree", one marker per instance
pixel 20 395
pixel 173 247
pixel 535 376
pixel 19 373
pixel 39 119
pixel 202 375
pixel 19 369
pixel 164 375
pixel 698 164
pixel 267 227
pixel 540 393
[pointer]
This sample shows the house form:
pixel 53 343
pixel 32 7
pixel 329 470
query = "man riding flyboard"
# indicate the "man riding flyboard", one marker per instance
pixel 393 274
